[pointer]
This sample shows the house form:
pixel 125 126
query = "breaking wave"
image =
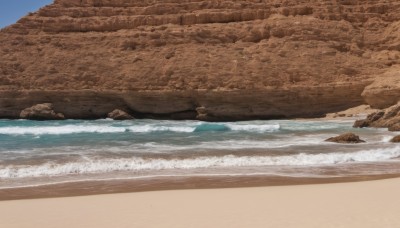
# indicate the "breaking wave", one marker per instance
pixel 139 164
pixel 147 128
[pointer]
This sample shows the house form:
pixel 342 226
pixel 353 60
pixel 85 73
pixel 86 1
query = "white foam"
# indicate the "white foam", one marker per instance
pixel 154 147
pixel 386 138
pixel 75 129
pixel 138 164
pixel 59 130
pixel 252 144
pixel 254 127
pixel 152 128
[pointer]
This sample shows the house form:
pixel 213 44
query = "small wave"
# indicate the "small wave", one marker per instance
pixel 151 147
pixel 138 164
pixel 211 127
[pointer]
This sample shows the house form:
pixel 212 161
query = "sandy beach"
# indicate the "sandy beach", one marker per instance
pixel 357 204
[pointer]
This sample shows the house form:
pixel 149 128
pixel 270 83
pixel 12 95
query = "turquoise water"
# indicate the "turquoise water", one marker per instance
pixel 34 152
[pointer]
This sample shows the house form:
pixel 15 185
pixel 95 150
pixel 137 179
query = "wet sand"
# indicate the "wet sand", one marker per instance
pixel 85 188
pixel 354 205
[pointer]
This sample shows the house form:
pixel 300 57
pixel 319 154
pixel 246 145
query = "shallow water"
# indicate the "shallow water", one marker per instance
pixel 35 153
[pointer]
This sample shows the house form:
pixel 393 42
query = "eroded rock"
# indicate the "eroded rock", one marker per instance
pixel 41 112
pixel 346 138
pixel 118 114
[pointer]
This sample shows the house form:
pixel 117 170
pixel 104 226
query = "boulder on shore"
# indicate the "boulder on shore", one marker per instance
pixel 41 112
pixel 346 138
pixel 395 139
pixel 118 114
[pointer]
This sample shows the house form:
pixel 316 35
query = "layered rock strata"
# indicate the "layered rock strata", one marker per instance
pixel 231 60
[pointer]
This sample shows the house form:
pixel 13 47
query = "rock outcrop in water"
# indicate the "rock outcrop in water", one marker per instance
pixel 237 59
pixel 346 138
pixel 388 118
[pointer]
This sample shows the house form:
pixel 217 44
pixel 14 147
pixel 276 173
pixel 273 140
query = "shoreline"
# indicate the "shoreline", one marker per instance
pixel 160 183
pixel 104 187
pixel 367 204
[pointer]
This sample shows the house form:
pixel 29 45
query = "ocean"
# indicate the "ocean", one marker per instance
pixel 35 153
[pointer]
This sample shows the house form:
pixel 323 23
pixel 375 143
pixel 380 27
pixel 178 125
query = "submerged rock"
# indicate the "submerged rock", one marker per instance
pixel 395 139
pixel 118 114
pixel 41 112
pixel 346 138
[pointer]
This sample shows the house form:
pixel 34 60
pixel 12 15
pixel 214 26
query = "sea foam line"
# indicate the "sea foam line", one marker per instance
pixel 138 164
pixel 151 147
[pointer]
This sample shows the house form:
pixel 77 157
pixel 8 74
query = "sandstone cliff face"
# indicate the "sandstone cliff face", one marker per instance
pixel 237 59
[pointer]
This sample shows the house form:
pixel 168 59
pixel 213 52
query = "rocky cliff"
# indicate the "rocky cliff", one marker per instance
pixel 230 59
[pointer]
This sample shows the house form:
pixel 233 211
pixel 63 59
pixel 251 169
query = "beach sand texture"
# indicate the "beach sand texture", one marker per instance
pixel 358 204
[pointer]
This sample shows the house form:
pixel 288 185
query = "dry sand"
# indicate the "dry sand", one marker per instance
pixel 359 204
